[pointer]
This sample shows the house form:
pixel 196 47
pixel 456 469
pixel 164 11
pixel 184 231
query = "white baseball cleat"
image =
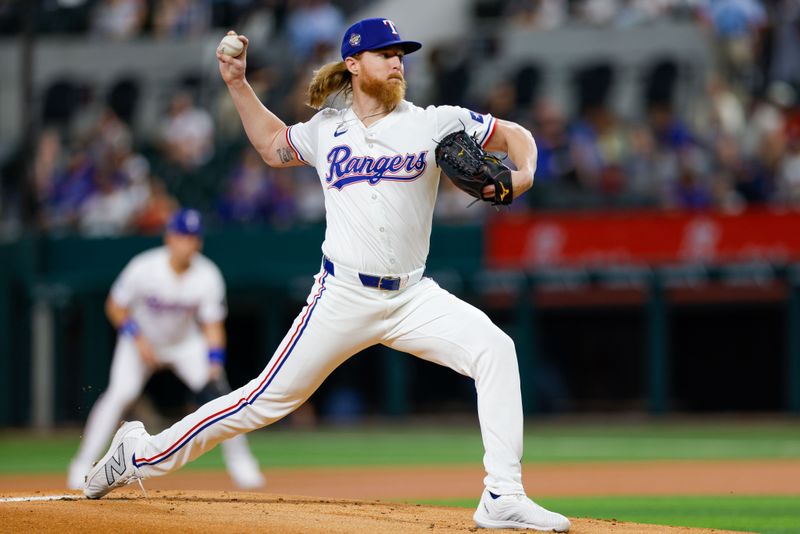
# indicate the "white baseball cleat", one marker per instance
pixel 116 468
pixel 77 474
pixel 516 511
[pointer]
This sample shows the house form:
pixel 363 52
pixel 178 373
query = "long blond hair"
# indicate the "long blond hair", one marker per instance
pixel 329 79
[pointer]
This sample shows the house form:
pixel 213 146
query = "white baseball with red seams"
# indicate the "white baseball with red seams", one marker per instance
pixel 230 45
pixel 380 186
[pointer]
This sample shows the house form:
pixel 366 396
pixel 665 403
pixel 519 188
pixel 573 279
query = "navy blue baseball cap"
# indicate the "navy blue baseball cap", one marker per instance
pixel 372 34
pixel 186 222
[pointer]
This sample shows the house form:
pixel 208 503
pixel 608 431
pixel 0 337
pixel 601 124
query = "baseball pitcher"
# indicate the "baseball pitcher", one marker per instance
pixel 377 166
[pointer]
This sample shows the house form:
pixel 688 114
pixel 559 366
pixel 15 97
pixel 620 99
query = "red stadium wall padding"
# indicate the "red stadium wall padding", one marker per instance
pixel 641 237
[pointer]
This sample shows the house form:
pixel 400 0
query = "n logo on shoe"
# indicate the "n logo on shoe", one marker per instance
pixel 115 464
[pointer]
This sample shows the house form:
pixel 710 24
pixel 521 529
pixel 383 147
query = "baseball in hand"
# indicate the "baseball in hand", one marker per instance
pixel 231 45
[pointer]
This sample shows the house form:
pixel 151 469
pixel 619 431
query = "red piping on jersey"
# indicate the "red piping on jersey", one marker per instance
pixel 491 132
pixel 289 142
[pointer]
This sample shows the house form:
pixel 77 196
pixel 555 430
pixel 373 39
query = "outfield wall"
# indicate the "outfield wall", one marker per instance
pixel 673 337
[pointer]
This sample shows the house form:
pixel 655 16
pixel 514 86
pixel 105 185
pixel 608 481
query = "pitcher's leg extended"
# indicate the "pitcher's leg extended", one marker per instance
pixel 315 345
pixel 443 329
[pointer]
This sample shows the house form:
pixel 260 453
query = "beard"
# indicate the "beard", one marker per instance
pixel 388 93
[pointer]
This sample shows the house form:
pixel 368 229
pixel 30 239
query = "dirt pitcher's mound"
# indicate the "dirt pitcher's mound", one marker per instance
pixel 213 511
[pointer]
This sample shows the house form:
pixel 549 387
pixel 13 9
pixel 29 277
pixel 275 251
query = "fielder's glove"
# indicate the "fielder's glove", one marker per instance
pixel 471 168
pixel 212 390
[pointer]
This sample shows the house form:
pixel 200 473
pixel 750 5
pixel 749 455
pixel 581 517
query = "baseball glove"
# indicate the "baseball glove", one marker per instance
pixel 212 390
pixel 471 168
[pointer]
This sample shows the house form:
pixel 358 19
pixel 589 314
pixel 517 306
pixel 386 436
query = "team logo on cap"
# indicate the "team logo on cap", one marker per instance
pixel 355 39
pixel 192 221
pixel 391 26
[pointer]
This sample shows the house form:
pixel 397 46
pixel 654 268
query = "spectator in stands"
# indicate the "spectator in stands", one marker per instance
pixel 554 162
pixel 121 187
pixel 312 23
pixel 109 209
pixel 733 152
pixel 735 179
pixel 767 120
pixel 537 14
pixel 248 192
pixel 156 210
pixel 649 171
pixel 265 79
pixel 70 186
pixel 736 27
pixel 309 200
pixel 598 12
pixel 501 100
pixel 600 147
pixel 181 18
pixel 450 75
pixel 119 19
pixel 785 61
pixel 788 189
pixel 683 163
pixel 722 111
pixel 689 192
pixel 187 134
pixel 47 161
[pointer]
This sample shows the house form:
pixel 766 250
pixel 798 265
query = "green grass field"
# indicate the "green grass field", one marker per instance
pixel 544 443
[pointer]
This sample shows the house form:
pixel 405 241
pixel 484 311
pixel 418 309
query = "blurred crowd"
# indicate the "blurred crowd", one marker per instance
pixel 736 145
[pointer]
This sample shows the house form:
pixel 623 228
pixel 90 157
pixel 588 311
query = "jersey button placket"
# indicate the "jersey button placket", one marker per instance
pixel 381 227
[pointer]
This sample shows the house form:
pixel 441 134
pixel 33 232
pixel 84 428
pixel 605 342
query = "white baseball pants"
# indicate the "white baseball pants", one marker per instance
pixel 339 320
pixel 129 374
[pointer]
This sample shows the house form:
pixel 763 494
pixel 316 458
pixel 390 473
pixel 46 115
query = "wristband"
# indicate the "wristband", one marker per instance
pixel 217 355
pixel 129 328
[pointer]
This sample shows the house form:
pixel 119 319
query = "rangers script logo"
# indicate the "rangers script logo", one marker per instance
pixel 346 169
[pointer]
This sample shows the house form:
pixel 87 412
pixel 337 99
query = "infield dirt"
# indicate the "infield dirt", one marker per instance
pixel 208 511
pixel 342 500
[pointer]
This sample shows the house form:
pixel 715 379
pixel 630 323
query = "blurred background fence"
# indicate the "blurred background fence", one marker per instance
pixel 653 267
pixel 692 337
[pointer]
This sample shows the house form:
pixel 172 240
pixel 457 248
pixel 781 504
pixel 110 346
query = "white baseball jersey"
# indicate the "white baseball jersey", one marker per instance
pixel 381 181
pixel 166 305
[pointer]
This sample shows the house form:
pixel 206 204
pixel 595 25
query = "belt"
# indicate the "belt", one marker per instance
pixel 387 283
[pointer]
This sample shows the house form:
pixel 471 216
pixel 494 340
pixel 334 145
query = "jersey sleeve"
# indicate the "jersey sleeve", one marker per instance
pixel 303 138
pixel 213 307
pixel 125 287
pixel 451 119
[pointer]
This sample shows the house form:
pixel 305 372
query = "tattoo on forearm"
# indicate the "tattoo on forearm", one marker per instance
pixel 286 154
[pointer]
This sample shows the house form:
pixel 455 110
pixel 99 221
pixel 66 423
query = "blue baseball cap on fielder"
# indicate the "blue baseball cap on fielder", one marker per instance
pixel 372 34
pixel 186 222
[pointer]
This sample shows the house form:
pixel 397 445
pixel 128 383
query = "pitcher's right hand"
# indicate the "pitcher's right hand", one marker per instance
pixel 232 69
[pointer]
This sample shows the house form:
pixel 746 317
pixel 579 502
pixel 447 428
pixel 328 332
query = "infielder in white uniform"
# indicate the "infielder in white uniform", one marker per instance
pixel 168 305
pixel 375 161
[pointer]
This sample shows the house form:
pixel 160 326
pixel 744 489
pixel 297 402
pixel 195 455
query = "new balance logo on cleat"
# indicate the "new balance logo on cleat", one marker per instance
pixel 115 465
pixel 113 470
